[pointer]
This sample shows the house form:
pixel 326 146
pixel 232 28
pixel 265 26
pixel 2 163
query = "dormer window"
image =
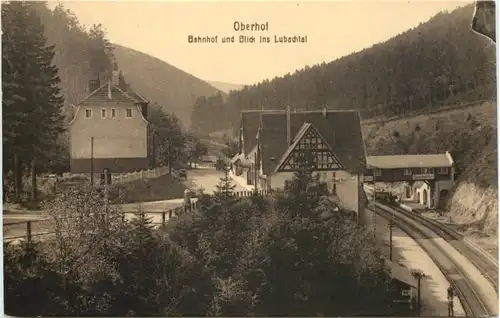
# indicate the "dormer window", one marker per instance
pixel 88 113
pixel 128 113
pixel 103 113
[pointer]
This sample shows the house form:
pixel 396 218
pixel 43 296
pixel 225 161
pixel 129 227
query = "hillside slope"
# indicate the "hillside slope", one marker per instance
pixel 226 87
pixel 161 82
pixel 439 62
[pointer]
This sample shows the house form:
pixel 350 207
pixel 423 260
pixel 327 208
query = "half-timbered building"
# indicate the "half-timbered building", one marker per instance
pixel 327 142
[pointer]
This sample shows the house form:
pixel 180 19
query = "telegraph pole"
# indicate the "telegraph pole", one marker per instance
pixel 169 155
pixel 390 236
pixel 91 161
pixel 256 173
pixel 418 274
pixel 374 204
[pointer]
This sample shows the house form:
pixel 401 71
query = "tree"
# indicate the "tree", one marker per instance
pixel 232 148
pixel 199 150
pixel 121 82
pixel 169 138
pixel 32 87
pixel 100 50
pixel 85 225
pixel 225 188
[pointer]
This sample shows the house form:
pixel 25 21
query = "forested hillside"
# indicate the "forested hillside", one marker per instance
pixel 157 80
pixel 48 58
pixel 77 57
pixel 438 62
pixel 80 54
pixel 225 87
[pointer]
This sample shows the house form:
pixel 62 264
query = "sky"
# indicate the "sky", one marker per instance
pixel 333 29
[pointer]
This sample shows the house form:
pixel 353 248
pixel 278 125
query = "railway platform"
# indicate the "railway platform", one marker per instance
pixel 407 252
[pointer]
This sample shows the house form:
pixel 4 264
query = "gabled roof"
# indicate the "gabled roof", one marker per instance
pixel 340 129
pixel 297 139
pixel 100 95
pixel 250 121
pixel 410 161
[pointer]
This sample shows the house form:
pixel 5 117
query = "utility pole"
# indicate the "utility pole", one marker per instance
pixel 418 274
pixel 256 173
pixel 169 157
pixel 390 236
pixel 153 152
pixel 374 204
pixel 91 161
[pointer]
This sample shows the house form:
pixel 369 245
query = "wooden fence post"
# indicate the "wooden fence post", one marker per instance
pixel 28 231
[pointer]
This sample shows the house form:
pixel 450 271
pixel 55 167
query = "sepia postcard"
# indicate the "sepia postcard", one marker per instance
pixel 249 158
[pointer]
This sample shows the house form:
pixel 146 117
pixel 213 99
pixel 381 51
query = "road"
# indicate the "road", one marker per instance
pixel 207 178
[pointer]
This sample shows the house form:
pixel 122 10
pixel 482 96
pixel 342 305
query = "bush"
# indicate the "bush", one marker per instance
pixel 237 256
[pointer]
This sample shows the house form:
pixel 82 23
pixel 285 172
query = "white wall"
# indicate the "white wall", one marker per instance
pixel 118 137
pixel 347 188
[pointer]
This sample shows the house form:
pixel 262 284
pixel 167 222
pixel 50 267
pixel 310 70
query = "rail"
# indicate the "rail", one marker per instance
pixel 483 261
pixel 472 303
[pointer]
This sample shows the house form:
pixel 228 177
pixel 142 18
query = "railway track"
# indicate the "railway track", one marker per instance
pixel 473 303
pixel 483 261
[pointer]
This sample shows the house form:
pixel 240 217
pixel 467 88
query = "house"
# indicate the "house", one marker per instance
pixel 241 166
pixel 403 289
pixel 109 130
pixel 429 177
pixel 275 142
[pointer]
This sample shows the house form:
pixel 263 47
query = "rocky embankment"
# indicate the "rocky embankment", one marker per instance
pixel 470 135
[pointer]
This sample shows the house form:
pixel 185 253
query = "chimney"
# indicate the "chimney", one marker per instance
pixel 94 84
pixel 115 80
pixel 288 128
pixel 109 88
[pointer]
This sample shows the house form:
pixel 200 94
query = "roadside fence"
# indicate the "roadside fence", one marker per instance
pixel 38 228
pixel 42 227
pixel 120 178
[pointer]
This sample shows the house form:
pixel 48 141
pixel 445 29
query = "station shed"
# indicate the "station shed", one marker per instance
pixel 429 177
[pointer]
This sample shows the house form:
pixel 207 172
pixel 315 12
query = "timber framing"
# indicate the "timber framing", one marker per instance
pixel 309 150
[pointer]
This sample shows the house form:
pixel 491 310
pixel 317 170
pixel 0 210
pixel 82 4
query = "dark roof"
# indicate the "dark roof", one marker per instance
pixel 410 161
pixel 401 273
pixel 100 96
pixel 340 129
pixel 137 97
pixel 250 122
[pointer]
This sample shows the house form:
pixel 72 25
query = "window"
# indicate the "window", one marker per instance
pixel 427 170
pixel 378 172
pixel 113 113
pixel 88 113
pixel 407 172
pixel 443 170
pixel 103 113
pixel 128 113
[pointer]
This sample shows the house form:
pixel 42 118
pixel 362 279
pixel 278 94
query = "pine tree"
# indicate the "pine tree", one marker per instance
pixel 225 188
pixel 100 50
pixel 33 105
